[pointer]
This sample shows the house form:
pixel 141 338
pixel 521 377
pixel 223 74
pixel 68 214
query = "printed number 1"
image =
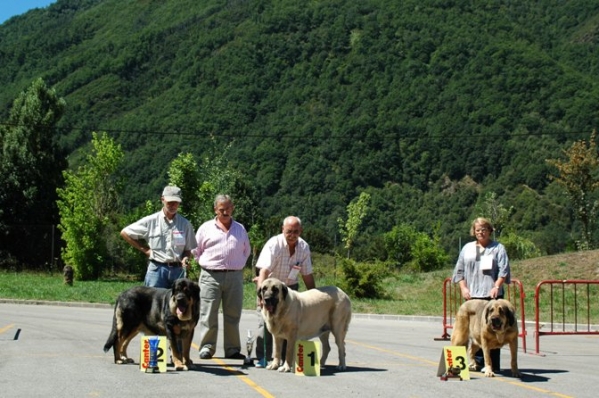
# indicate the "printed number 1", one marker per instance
pixel 312 360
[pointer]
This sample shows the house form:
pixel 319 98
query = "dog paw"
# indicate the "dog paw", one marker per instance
pixel 180 366
pixel 341 367
pixel 284 369
pixel 273 366
pixel 489 373
pixel 516 373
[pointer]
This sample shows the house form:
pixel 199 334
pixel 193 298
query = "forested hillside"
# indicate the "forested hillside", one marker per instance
pixel 427 105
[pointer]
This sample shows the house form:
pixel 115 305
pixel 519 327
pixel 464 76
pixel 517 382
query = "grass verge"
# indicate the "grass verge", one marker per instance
pixel 409 294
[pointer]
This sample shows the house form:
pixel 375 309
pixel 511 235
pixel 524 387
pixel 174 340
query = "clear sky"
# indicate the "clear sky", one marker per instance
pixel 9 8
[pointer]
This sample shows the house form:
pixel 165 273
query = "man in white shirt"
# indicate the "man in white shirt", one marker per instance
pixel 166 238
pixel 285 256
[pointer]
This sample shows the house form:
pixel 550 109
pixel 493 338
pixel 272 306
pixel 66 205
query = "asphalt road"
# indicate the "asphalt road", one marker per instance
pixel 56 351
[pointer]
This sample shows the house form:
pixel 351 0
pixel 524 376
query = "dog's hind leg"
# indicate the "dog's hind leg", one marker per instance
pixel 326 348
pixel 123 341
pixel 340 341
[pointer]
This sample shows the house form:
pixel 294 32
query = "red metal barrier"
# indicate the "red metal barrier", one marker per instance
pixel 452 299
pixel 569 304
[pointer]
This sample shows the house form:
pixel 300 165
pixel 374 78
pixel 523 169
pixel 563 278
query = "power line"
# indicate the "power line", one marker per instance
pixel 399 134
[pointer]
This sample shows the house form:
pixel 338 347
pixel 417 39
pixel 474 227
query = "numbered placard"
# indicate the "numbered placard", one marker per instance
pixel 454 363
pixel 148 344
pixel 307 358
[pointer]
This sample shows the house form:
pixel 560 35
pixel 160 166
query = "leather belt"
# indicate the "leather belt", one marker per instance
pixel 169 264
pixel 220 270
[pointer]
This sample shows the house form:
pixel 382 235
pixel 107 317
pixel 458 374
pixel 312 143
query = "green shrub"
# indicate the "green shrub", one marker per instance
pixel 362 280
pixel 415 250
pixel 518 247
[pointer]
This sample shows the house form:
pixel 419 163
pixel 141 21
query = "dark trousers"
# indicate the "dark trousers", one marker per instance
pixel 495 359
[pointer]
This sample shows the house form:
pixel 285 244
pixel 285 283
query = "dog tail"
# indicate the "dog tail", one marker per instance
pixel 112 336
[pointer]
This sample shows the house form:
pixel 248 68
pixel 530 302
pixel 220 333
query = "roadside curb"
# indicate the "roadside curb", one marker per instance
pixel 378 317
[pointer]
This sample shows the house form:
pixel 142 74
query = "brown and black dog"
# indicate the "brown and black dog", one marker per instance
pixel 487 325
pixel 173 313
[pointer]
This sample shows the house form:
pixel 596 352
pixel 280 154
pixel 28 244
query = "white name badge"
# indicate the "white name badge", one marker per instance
pixel 178 238
pixel 486 263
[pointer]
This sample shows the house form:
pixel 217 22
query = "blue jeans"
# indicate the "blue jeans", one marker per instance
pixel 162 275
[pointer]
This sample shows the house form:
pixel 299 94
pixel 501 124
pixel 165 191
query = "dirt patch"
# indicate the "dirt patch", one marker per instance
pixel 575 265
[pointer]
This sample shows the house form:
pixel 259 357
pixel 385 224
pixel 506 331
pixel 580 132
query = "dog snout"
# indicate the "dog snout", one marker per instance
pixel 181 299
pixel 496 322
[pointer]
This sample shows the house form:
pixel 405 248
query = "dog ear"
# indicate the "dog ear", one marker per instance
pixel 285 291
pixel 259 293
pixel 510 317
pixel 486 313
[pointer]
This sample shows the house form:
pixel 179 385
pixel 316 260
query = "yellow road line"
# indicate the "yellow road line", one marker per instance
pixel 395 353
pixel 5 328
pixel 245 379
pixel 500 379
pixel 241 376
pixel 541 390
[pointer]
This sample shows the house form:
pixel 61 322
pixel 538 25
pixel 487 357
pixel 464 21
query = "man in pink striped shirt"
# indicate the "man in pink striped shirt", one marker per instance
pixel 223 249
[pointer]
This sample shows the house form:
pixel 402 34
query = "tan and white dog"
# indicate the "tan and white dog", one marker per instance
pixel 292 316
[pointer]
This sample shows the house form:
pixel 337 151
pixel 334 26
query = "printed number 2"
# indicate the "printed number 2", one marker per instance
pixel 159 354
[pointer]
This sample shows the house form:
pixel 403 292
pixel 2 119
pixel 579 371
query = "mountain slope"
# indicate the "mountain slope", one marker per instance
pixel 320 100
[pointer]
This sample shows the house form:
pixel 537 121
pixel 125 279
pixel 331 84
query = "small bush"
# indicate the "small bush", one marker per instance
pixel 416 251
pixel 362 280
pixel 517 247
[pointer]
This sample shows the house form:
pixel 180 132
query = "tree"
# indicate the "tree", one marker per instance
pixel 356 211
pixel 89 208
pixel 201 183
pixel 579 175
pixel 30 169
pixel 495 212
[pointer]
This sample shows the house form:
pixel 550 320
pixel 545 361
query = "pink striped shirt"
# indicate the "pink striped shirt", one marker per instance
pixel 218 249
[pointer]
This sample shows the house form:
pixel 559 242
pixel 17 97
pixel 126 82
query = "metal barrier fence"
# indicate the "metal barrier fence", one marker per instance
pixel 452 299
pixel 566 296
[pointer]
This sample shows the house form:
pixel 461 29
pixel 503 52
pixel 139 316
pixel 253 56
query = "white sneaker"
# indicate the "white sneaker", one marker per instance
pixel 484 369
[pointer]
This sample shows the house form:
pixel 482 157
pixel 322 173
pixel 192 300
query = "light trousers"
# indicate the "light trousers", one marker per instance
pixel 217 288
